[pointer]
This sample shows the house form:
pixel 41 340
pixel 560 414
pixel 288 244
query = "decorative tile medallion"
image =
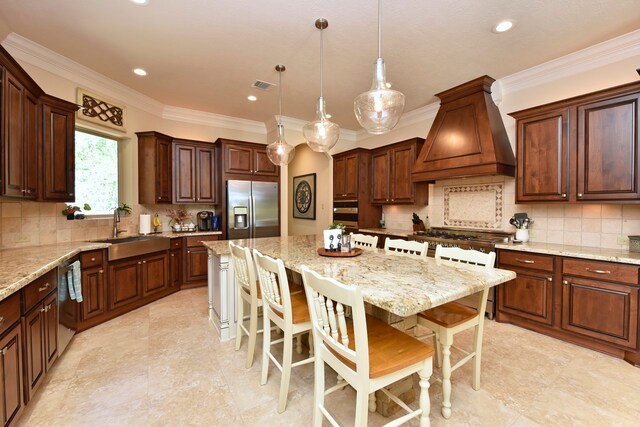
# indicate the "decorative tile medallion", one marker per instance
pixel 473 206
pixel 97 109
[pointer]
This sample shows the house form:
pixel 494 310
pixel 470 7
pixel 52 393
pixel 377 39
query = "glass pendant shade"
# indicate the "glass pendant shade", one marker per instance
pixel 280 152
pixel 321 134
pixel 379 109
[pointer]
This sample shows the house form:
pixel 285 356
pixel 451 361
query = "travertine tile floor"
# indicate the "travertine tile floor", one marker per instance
pixel 163 365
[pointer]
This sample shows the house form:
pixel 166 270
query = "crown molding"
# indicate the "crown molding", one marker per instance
pixel 607 52
pixel 32 53
pixel 187 115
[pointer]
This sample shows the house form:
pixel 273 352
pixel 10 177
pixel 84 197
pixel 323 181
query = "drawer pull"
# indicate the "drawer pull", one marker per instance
pixel 598 271
pixel 526 261
pixel 45 287
pixel 93 259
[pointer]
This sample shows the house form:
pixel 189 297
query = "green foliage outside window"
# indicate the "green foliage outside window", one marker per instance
pixel 96 172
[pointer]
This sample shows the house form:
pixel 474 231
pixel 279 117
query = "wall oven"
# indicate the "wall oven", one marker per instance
pixel 346 212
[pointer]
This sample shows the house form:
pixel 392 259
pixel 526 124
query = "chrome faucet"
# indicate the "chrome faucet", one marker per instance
pixel 116 220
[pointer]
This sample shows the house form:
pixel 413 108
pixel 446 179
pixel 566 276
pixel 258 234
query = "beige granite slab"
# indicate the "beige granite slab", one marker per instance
pixel 401 285
pixel 173 234
pixel 387 231
pixel 600 254
pixel 20 266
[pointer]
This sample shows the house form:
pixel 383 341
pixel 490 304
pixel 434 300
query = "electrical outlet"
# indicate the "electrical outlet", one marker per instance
pixel 623 240
pixel 23 238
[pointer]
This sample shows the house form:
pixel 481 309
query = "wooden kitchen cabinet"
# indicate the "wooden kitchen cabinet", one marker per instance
pixel 246 158
pixel 600 301
pixel 175 263
pixel 585 148
pixel 94 293
pixel 196 261
pixel 11 364
pixel 195 173
pixel 155 274
pixel 530 294
pixel 58 183
pixel 40 330
pixel 132 279
pixel 345 175
pixel 155 168
pixel 19 140
pixel 392 166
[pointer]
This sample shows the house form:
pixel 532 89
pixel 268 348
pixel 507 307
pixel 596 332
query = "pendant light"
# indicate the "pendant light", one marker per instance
pixel 379 109
pixel 321 134
pixel 279 152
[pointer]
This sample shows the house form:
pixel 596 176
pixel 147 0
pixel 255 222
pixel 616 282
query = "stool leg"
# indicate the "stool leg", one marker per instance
pixel 437 348
pixel 447 340
pixel 253 332
pixel 425 404
pixel 240 320
pixel 318 391
pixel 286 370
pixel 266 345
pixel 477 359
pixel 362 403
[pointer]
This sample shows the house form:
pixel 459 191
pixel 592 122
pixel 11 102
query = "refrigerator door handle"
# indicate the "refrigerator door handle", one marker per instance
pixel 252 214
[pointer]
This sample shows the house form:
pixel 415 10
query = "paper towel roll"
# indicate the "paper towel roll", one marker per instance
pixel 145 224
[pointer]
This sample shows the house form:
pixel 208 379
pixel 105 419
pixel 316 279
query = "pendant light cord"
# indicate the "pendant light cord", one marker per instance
pixel 379 28
pixel 321 59
pixel 280 97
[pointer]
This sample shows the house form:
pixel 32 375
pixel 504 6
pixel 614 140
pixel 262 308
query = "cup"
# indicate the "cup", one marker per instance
pixel 522 234
pixel 346 243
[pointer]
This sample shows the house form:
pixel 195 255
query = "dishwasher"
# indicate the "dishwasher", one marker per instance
pixel 69 297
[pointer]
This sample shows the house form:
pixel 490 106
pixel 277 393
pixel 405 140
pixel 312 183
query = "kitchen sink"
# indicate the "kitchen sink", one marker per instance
pixel 125 247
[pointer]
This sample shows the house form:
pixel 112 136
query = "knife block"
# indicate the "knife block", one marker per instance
pixel 419 226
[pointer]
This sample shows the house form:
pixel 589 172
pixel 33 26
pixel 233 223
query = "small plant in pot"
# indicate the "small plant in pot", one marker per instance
pixel 70 210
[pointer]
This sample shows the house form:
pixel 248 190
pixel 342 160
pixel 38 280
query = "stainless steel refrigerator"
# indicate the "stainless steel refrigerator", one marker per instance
pixel 252 209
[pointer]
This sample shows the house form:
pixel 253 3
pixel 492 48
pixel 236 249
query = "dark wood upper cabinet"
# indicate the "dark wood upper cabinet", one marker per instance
pixel 346 176
pixel 247 160
pixel 608 149
pixel 195 173
pixel 580 149
pixel 31 146
pixel 155 168
pixel 543 157
pixel 58 150
pixel 392 166
pixel 13 139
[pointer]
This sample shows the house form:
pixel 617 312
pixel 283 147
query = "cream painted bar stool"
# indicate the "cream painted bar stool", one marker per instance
pixel 364 241
pixel 405 247
pixel 364 351
pixel 289 312
pixel 249 291
pixel 448 319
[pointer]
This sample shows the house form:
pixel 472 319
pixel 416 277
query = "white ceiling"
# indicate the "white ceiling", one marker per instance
pixel 205 54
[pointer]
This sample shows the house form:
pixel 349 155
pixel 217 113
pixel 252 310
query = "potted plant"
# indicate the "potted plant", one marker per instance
pixel 124 209
pixel 70 211
pixel 334 239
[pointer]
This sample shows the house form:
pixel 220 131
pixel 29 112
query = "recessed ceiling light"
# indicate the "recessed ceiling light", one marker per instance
pixel 139 72
pixel 503 26
pixel 251 98
pixel 140 2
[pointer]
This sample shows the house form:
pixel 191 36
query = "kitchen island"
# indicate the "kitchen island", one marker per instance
pixel 399 285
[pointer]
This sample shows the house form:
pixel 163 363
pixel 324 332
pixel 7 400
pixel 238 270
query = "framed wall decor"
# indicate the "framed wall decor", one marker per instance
pixel 100 110
pixel 304 196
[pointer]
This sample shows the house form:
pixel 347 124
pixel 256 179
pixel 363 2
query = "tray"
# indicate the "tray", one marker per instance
pixel 338 254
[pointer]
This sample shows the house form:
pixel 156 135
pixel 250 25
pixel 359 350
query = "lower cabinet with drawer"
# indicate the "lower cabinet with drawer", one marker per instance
pixel 196 261
pixel 39 330
pixel 11 365
pixel 586 302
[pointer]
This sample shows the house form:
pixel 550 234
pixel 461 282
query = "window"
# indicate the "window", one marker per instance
pixel 96 173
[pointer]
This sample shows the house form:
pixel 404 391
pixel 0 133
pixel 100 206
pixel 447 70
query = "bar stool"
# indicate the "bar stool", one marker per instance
pixel 289 312
pixel 410 248
pixel 249 291
pixel 364 241
pixel 448 319
pixel 364 351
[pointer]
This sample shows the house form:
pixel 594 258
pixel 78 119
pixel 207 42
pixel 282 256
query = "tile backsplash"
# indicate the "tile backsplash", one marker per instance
pixel 595 225
pixel 36 223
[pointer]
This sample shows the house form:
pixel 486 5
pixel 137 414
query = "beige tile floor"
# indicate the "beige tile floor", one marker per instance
pixel 163 365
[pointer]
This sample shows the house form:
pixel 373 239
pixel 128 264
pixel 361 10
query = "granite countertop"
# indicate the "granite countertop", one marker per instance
pixel 387 231
pixel 20 266
pixel 600 254
pixel 401 285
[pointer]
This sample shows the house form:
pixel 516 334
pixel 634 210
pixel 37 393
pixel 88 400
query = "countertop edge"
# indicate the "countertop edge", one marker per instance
pixel 596 254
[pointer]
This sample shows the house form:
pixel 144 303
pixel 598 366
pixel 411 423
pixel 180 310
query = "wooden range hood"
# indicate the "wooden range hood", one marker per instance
pixel 467 137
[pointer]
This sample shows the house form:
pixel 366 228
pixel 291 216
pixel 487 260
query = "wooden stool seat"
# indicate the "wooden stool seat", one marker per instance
pixel 299 308
pixel 449 315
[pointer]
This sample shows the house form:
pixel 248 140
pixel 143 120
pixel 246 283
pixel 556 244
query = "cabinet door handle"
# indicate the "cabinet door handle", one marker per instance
pixel 526 261
pixel 4 351
pixel 598 271
pixel 43 309
pixel 45 287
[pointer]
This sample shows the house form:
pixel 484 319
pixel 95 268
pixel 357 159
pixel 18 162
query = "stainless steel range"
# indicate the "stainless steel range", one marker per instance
pixel 483 241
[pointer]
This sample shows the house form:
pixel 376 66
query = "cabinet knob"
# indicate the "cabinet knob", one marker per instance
pixel 188 252
pixel 101 271
pixel 565 282
pixel 43 309
pixel 139 263
pixel 93 259
pixel 387 200
pixel 392 200
pixel 159 197
pixel 144 262
pixel 71 194
pixel 564 194
pixel 579 194
pixel 549 279
pixel 24 191
pixel 172 255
